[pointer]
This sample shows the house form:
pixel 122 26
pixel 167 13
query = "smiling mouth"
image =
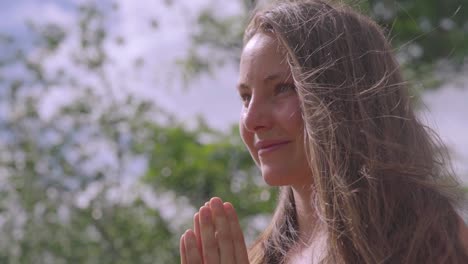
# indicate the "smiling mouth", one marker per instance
pixel 272 147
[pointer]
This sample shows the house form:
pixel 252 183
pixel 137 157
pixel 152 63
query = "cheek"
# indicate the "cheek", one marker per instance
pixel 290 117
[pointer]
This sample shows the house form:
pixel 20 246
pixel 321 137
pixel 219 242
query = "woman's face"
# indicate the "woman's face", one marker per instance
pixel 270 123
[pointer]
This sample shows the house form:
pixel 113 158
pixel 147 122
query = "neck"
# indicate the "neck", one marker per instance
pixel 307 219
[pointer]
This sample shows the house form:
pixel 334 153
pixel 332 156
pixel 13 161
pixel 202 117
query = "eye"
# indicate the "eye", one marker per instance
pixel 284 87
pixel 245 98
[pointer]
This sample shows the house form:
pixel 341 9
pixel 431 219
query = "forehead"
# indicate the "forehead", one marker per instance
pixel 262 56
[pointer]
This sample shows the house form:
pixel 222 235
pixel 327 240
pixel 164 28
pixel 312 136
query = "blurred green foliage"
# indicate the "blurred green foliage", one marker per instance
pixel 65 191
pixel 184 163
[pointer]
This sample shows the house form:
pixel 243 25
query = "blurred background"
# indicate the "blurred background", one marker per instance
pixel 118 118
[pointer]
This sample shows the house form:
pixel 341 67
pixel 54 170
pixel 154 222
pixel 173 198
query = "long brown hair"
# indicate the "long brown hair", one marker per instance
pixel 381 179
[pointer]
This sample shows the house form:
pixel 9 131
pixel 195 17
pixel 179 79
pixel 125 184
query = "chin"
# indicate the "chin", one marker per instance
pixel 283 176
pixel 275 178
pixel 272 182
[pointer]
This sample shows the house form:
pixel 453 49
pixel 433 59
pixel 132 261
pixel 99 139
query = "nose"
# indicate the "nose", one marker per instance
pixel 257 116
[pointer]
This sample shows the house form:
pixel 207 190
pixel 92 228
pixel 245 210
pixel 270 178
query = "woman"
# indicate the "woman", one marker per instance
pixel 327 117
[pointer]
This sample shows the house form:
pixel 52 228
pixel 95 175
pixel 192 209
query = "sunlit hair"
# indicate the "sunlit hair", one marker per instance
pixel 382 184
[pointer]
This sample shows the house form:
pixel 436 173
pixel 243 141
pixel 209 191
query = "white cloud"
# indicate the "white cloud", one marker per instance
pixel 36 11
pixel 53 100
pixel 447 114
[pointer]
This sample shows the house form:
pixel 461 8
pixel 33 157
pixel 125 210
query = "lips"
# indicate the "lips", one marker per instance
pixel 266 146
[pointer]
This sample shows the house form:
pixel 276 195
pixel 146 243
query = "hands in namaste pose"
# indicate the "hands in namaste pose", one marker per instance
pixel 217 236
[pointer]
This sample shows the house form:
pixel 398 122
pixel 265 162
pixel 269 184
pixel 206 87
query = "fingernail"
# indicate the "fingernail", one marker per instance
pixel 189 238
pixel 230 211
pixel 205 215
pixel 228 207
pixel 216 199
pixel 216 203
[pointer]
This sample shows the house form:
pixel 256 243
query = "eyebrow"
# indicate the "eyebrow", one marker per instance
pixel 267 79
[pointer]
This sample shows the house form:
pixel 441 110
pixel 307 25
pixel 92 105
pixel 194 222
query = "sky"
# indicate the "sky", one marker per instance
pixel 211 96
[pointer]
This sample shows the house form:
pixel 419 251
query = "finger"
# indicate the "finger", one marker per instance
pixel 223 231
pixel 207 231
pixel 183 257
pixel 240 248
pixel 196 226
pixel 192 253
